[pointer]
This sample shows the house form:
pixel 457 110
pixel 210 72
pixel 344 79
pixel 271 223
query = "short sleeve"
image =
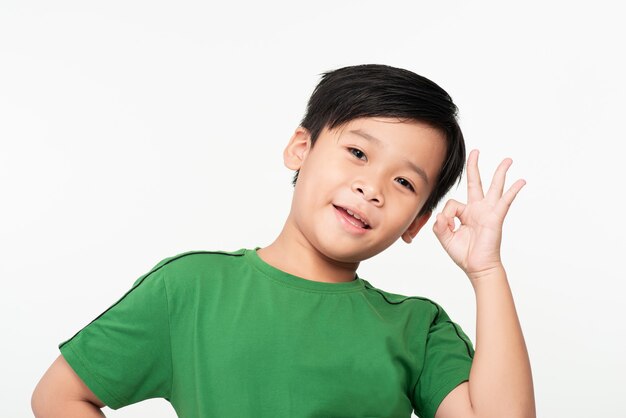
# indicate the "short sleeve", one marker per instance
pixel 447 362
pixel 124 355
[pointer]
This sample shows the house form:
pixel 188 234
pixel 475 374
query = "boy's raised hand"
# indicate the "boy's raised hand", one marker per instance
pixel 475 244
pixel 500 382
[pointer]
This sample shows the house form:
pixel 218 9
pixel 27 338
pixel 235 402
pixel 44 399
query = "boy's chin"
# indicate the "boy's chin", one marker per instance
pixel 350 254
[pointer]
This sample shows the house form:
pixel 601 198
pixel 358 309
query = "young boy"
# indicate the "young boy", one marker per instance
pixel 290 330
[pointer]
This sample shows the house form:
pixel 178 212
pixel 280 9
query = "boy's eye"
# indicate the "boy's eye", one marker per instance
pixel 405 183
pixel 357 153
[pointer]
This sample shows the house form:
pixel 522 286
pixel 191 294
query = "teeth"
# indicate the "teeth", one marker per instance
pixel 355 215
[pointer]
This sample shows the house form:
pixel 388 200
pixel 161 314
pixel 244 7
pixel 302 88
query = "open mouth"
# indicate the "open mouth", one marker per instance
pixel 353 218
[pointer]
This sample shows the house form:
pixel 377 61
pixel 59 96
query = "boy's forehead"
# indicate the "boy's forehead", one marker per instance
pixel 382 130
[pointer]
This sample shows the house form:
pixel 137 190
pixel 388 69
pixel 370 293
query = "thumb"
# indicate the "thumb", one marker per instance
pixel 443 228
pixel 444 223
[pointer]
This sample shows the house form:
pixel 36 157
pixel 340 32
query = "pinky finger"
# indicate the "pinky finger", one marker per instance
pixel 507 198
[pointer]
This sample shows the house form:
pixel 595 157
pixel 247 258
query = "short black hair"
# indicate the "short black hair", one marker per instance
pixel 374 90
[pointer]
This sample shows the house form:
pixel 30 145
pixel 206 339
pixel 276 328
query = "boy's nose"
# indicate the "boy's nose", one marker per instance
pixel 369 193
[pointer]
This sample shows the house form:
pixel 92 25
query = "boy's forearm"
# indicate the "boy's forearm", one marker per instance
pixel 500 382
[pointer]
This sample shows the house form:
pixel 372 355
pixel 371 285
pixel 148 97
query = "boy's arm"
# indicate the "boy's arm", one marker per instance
pixel 61 393
pixel 500 382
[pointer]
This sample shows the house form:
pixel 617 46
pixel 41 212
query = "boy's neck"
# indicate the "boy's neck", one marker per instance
pixel 293 254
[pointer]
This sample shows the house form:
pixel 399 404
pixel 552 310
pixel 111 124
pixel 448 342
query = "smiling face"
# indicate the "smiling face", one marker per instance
pixel 362 185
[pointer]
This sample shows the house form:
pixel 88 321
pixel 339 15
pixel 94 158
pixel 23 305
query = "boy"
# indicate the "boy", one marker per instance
pixel 290 330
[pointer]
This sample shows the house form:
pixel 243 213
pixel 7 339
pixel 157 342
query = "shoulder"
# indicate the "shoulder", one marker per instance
pixel 419 305
pixel 194 258
pixel 192 263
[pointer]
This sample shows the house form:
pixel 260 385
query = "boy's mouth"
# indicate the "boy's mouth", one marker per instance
pixel 353 218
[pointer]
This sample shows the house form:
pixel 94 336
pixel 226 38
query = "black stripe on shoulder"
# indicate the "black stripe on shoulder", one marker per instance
pixel 154 269
pixel 168 260
pixel 370 287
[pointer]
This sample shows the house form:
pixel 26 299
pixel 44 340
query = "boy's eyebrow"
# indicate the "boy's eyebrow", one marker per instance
pixel 377 141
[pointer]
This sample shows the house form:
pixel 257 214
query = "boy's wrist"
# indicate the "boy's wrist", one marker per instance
pixel 495 273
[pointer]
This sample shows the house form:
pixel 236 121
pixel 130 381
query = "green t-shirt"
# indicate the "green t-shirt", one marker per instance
pixel 224 334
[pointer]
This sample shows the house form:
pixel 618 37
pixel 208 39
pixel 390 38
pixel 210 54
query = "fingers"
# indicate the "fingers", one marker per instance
pixel 453 209
pixel 507 198
pixel 495 197
pixel 497 183
pixel 444 224
pixel 474 184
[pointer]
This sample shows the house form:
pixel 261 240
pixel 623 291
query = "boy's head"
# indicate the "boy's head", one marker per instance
pixel 374 90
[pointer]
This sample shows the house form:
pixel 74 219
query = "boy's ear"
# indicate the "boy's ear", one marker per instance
pixel 297 148
pixel 415 227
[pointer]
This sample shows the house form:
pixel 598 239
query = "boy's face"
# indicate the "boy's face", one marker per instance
pixel 381 169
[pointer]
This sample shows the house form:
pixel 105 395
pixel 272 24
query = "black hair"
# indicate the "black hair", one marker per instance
pixel 374 90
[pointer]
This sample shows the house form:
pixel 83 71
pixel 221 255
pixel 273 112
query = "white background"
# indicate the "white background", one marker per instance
pixel 132 131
